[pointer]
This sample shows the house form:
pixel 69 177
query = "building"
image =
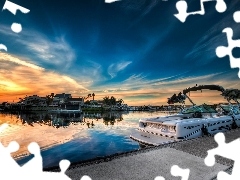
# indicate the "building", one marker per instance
pixel 33 100
pixel 75 101
pixel 61 98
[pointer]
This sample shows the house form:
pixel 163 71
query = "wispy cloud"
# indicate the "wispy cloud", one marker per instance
pixel 204 49
pixel 138 90
pixel 19 79
pixel 54 51
pixel 7 57
pixel 113 69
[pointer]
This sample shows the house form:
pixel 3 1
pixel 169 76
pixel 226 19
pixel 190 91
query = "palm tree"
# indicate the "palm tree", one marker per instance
pixel 113 100
pixel 106 100
pixel 120 101
pixel 49 99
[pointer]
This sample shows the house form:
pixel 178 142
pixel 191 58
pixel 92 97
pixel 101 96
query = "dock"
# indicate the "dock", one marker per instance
pixel 150 162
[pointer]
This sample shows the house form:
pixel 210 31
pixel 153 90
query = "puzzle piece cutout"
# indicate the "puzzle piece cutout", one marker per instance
pixel 222 51
pixel 111 1
pixel 3 126
pixel 182 9
pixel 33 169
pixel 12 7
pixel 16 27
pixel 228 150
pixel 2 46
pixel 177 171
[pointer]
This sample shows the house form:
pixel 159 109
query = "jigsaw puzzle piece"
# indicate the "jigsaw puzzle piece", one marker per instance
pixel 88 178
pixel 221 6
pixel 223 176
pixel 228 150
pixel 111 1
pixel 236 16
pixel 222 51
pixel 35 164
pixel 12 7
pixel 182 9
pixel 7 164
pixel 177 171
pixel 5 125
pixel 157 178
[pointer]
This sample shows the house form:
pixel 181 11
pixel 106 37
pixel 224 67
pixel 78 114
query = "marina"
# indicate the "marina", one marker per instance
pixel 120 89
pixel 78 138
pixel 192 122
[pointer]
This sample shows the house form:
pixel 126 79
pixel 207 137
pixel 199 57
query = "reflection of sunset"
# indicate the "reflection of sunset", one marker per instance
pixel 3 127
pixel 46 136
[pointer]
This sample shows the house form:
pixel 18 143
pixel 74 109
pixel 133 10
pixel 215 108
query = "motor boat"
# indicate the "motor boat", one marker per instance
pixel 192 122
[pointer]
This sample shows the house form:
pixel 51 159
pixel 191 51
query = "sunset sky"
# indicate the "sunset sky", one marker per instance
pixel 136 50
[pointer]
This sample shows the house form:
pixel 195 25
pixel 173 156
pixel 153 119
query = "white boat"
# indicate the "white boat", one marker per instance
pixel 66 111
pixel 191 122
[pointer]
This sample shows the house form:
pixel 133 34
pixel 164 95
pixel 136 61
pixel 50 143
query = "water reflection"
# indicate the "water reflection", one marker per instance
pixel 72 136
pixel 64 120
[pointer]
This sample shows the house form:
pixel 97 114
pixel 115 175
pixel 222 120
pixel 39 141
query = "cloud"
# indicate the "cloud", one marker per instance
pixel 41 49
pixel 204 49
pixel 19 78
pixel 113 69
pixel 55 52
pixel 138 90
pixel 142 6
pixel 7 57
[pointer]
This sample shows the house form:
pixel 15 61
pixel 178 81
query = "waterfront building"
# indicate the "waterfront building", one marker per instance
pixel 33 100
pixel 61 98
pixel 75 101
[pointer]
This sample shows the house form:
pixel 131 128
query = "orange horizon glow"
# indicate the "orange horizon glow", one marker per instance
pixel 208 97
pixel 19 78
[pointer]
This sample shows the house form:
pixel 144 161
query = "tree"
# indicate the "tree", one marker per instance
pixel 49 98
pixel 88 96
pixel 113 100
pixel 106 100
pixel 87 102
pixel 120 101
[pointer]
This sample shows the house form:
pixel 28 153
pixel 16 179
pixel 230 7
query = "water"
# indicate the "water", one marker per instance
pixel 76 138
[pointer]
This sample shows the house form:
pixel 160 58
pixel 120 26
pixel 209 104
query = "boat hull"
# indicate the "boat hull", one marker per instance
pixel 156 131
pixel 150 139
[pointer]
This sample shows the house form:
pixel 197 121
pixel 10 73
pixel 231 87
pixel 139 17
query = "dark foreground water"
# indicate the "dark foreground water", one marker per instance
pixel 76 138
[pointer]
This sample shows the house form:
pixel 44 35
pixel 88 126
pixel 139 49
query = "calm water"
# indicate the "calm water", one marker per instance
pixel 74 138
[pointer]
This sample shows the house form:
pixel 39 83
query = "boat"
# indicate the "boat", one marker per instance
pixel 192 122
pixel 66 111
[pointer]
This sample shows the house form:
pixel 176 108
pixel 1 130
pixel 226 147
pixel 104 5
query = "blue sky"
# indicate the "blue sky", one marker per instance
pixel 136 50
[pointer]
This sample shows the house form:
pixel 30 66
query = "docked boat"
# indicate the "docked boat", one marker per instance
pixel 192 122
pixel 66 111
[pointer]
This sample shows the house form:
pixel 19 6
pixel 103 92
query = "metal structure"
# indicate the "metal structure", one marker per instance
pixel 228 94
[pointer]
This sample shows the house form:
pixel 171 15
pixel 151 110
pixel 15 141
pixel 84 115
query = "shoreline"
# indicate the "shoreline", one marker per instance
pixel 151 162
pixel 182 145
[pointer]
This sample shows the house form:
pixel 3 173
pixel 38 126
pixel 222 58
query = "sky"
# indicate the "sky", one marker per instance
pixel 135 50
